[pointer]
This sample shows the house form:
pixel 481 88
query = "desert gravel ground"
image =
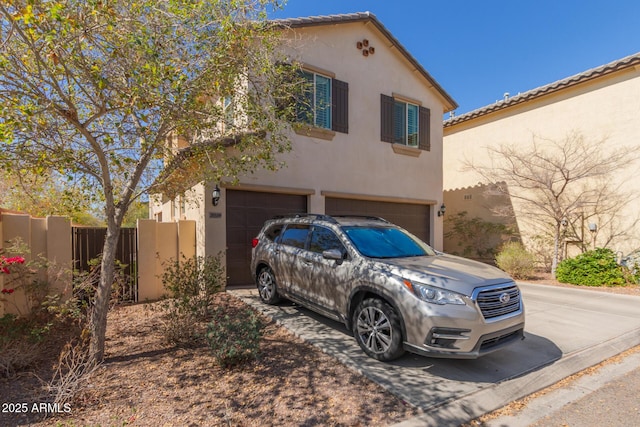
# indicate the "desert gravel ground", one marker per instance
pixel 145 382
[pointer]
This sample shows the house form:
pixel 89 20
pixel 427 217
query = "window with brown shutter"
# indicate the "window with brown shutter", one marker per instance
pixel 404 123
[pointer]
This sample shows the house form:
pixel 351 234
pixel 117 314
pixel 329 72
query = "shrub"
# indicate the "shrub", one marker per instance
pixel 191 285
pixel 235 337
pixel 592 268
pixel 516 261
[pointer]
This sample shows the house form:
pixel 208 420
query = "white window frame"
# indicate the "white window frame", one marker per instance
pixel 406 123
pixel 314 107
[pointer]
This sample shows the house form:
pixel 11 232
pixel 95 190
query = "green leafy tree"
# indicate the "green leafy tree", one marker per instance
pixel 46 194
pixel 95 89
pixel 476 237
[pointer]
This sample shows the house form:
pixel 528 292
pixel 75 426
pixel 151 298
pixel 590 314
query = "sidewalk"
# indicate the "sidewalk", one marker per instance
pixel 607 396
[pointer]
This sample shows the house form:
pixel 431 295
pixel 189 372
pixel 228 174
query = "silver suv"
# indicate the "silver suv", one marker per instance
pixel 391 289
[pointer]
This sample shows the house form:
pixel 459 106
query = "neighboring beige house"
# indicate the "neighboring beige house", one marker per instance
pixel 376 151
pixel 602 103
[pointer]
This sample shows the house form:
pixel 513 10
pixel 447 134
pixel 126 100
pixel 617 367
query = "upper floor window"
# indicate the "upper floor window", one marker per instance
pixel 315 108
pixel 324 102
pixel 405 123
pixel 228 109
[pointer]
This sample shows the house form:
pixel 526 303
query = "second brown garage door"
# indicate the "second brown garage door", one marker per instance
pixel 246 213
pixel 412 217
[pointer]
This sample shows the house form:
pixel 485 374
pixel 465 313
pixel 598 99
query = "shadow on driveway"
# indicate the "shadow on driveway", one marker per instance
pixel 421 381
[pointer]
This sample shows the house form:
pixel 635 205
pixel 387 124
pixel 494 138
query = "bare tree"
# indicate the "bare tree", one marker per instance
pixel 557 181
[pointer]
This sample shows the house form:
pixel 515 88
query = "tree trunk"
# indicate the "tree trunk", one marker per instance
pixel 556 251
pixel 103 294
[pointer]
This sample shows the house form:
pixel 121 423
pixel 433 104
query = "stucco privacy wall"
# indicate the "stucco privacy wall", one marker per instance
pixel 158 244
pixel 49 238
pixel 606 108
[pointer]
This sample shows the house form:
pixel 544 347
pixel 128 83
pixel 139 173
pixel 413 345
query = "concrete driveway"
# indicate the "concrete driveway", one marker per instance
pixel 567 330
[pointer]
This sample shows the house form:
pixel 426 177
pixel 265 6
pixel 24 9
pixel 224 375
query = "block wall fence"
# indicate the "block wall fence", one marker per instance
pixel 50 238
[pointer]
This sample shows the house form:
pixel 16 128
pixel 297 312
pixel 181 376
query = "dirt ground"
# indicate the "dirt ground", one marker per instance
pixel 145 382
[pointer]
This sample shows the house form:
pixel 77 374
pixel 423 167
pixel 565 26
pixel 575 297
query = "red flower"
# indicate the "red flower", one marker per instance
pixel 8 291
pixel 5 262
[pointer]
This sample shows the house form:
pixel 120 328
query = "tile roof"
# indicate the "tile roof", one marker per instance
pixel 312 21
pixel 594 73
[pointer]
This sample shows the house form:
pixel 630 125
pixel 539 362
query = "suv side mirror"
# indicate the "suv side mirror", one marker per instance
pixel 334 254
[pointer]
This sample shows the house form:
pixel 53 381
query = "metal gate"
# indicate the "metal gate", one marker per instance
pixel 87 245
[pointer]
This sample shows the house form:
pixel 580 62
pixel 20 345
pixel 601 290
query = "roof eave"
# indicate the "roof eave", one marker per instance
pixel 552 88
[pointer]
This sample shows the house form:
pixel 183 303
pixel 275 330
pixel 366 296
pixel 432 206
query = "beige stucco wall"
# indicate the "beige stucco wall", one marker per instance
pixel 48 238
pixel 607 108
pixel 160 243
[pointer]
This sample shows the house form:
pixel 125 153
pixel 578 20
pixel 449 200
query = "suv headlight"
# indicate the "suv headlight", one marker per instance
pixel 433 295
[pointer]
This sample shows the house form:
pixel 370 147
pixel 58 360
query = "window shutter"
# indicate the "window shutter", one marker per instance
pixel 340 107
pixel 425 129
pixel 386 118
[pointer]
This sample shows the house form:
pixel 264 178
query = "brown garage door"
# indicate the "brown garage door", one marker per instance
pixel 412 217
pixel 246 213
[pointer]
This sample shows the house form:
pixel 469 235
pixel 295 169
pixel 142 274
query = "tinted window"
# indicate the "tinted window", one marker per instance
pixel 323 239
pixel 295 235
pixel 273 232
pixel 386 242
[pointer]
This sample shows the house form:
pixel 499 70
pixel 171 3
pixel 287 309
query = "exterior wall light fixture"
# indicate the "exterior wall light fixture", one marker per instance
pixel 215 196
pixel 442 210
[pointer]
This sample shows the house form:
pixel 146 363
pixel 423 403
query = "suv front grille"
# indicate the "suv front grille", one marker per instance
pixel 494 302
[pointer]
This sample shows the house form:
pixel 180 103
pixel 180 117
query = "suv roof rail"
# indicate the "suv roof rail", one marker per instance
pixel 376 218
pixel 304 215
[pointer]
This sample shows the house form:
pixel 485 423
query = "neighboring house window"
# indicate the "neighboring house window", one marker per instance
pixel 325 103
pixel 404 123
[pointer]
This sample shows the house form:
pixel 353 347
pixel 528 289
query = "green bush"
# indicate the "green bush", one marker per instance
pixel 192 284
pixel 516 261
pixel 592 268
pixel 234 337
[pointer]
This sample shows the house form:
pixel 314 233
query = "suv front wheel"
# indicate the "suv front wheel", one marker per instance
pixel 377 329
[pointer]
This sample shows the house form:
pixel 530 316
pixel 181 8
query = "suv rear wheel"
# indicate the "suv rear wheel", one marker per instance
pixel 377 329
pixel 267 286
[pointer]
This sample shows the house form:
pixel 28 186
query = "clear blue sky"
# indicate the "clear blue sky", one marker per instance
pixel 479 49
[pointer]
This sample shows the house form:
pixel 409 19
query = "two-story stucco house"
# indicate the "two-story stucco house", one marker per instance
pixel 602 104
pixel 374 149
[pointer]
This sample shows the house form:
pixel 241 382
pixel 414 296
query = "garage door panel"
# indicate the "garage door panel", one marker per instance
pixel 246 213
pixel 412 217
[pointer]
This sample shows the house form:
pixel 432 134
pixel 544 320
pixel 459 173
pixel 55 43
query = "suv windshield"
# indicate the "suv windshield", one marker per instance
pixel 386 242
